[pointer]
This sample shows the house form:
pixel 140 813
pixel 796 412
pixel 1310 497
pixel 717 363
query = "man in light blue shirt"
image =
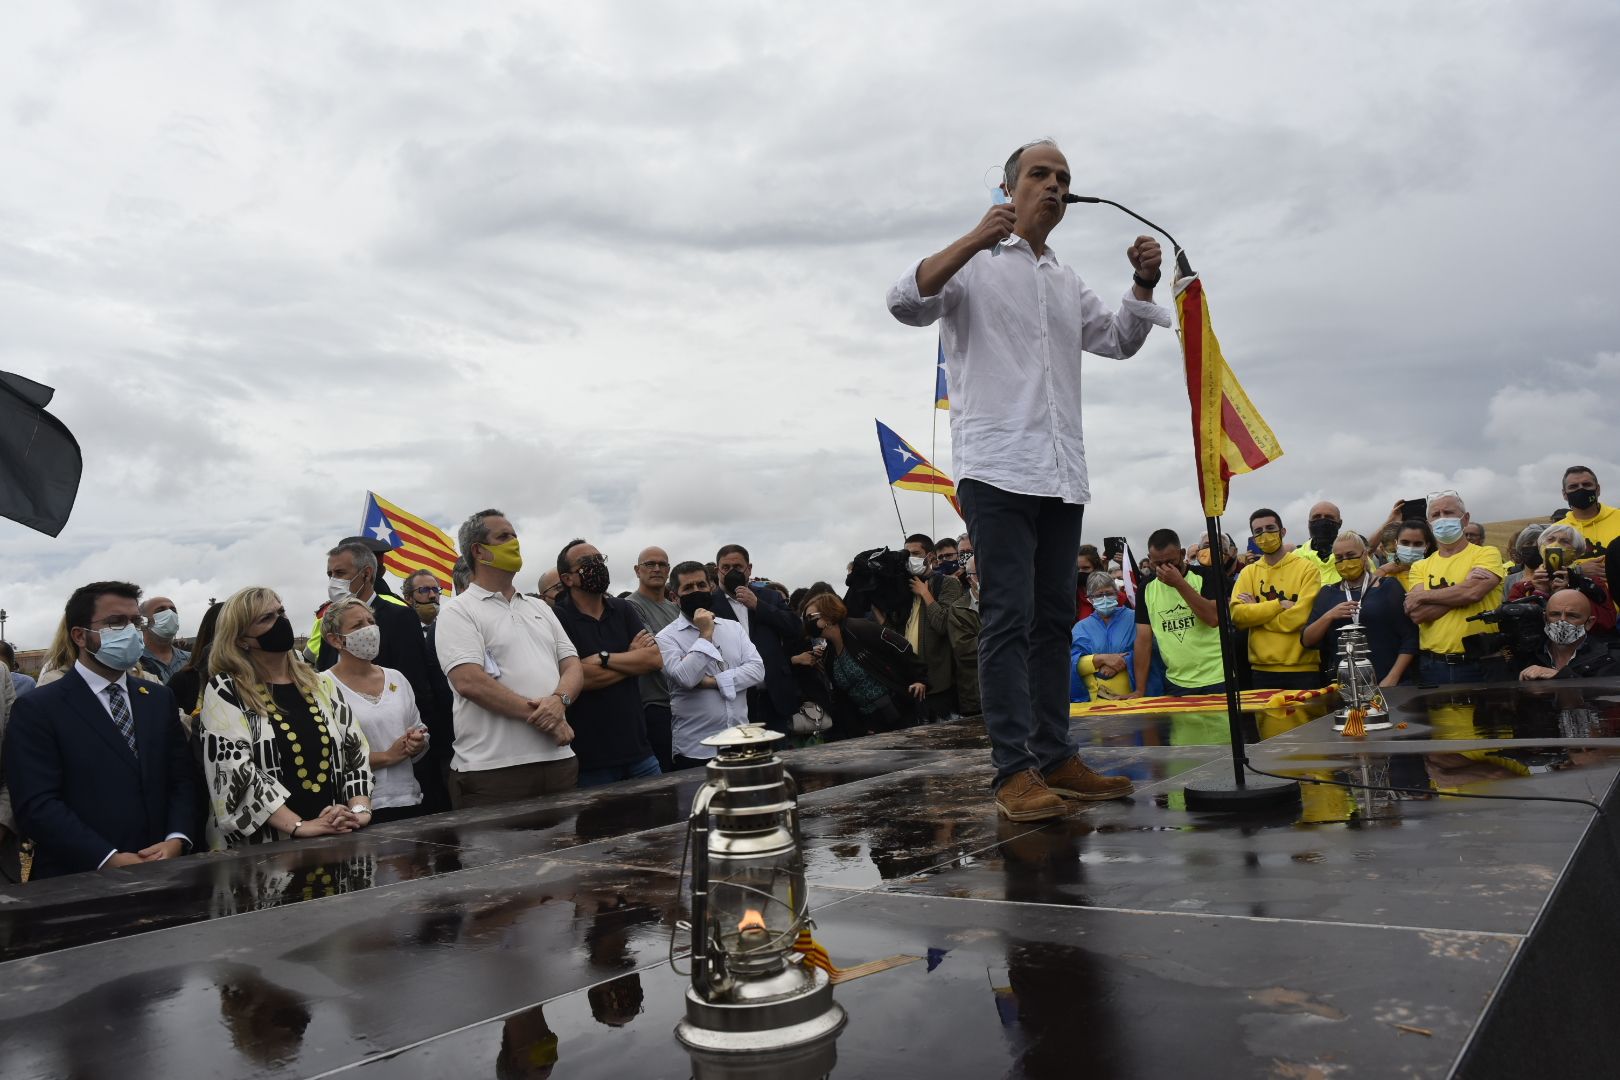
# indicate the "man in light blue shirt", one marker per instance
pixel 710 664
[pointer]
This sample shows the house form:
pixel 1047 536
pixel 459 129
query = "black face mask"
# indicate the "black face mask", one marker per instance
pixel 279 638
pixel 734 580
pixel 1581 499
pixel 693 602
pixel 1323 533
pixel 946 567
pixel 593 577
pixel 1530 558
pixel 812 628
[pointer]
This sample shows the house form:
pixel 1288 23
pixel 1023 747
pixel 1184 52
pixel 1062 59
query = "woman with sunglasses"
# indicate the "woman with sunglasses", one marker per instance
pixel 284 756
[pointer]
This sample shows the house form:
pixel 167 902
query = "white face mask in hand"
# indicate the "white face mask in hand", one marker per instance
pixel 364 642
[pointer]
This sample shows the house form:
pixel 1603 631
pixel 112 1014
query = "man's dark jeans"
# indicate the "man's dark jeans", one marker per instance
pixel 1434 672
pixel 1024 547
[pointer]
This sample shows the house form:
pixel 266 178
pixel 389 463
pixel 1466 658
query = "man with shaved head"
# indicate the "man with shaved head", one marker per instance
pixel 1571 652
pixel 160 657
pixel 657 611
pixel 1325 522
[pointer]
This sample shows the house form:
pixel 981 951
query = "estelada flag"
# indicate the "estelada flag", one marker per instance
pixel 910 470
pixel 1229 434
pixel 942 396
pixel 417 543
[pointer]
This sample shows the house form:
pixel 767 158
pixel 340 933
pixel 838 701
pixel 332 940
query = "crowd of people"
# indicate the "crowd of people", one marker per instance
pixel 1426 593
pixel 398 705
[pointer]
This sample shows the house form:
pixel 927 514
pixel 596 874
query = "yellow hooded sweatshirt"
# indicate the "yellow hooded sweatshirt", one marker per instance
pixel 1274 630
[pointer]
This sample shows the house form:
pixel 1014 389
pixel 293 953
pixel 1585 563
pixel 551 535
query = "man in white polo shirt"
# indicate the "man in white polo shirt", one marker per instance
pixel 514 673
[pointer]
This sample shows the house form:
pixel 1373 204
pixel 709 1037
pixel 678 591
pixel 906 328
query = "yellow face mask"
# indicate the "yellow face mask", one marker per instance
pixel 505 557
pixel 1350 569
pixel 1268 543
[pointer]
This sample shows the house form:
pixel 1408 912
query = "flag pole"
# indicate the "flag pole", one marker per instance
pixel 895 499
pixel 933 455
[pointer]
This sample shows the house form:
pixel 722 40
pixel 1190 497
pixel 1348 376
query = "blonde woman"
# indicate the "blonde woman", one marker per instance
pixel 283 755
pixel 383 705
pixel 1375 602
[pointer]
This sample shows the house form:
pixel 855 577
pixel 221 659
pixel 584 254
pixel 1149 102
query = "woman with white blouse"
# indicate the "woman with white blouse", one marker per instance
pixel 383 705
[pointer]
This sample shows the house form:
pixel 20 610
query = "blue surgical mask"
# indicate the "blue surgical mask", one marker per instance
pixel 1447 530
pixel 166 624
pixel 1408 554
pixel 1105 605
pixel 120 648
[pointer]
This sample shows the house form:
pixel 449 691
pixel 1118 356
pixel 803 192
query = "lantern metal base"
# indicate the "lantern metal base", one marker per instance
pixel 1369 723
pixel 753 1026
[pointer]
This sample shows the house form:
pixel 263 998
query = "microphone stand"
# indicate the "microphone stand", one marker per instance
pixel 1241 793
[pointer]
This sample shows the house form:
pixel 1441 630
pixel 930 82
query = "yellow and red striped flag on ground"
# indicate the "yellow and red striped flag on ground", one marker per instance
pixel 1229 434
pixel 418 544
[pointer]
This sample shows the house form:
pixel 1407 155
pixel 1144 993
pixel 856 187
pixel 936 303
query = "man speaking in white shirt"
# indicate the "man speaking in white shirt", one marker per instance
pixel 1013 323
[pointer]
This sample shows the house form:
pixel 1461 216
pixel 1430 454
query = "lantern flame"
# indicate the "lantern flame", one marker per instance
pixel 751 920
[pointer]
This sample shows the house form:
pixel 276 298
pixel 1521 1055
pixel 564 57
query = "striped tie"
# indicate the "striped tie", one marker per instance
pixel 120 715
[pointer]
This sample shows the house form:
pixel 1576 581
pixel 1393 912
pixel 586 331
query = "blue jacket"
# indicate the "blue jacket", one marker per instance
pixel 1092 635
pixel 76 789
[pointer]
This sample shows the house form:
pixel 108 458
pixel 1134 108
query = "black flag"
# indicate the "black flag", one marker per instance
pixel 40 461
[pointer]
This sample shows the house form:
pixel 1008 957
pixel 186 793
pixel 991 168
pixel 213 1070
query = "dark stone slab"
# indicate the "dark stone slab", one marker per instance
pixel 1342 856
pixel 298 990
pixel 1016 991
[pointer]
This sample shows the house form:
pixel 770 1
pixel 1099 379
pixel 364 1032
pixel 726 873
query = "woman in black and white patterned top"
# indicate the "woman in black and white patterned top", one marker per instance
pixel 283 754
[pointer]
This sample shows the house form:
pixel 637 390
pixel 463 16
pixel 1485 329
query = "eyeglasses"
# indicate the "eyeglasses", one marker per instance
pixel 431 590
pixel 653 564
pixel 120 622
pixel 1448 493
pixel 591 560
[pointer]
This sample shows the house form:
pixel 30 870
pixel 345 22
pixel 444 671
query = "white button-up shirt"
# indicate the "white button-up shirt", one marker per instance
pixel 521 643
pixel 696 712
pixel 1013 328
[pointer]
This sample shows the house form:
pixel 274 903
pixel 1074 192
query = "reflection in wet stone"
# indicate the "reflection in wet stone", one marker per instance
pixel 266 1022
pixel 617 1002
pixel 529 1049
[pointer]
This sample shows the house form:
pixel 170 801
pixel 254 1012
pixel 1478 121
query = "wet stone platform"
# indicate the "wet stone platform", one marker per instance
pixel 1362 933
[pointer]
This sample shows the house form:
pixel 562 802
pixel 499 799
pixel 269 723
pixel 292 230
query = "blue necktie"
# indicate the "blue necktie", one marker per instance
pixel 120 715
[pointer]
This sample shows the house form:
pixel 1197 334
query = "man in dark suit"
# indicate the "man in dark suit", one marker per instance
pixel 775 631
pixel 352 570
pixel 97 762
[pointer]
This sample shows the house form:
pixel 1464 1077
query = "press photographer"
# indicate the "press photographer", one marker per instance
pixel 1568 649
pixel 1555 563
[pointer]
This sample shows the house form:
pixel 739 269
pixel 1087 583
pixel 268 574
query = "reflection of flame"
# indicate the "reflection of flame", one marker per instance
pixel 751 920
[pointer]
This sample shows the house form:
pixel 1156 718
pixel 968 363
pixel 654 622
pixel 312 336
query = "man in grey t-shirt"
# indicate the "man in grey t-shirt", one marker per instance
pixel 652 575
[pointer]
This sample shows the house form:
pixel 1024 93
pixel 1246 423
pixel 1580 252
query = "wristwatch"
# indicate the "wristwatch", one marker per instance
pixel 358 809
pixel 603 656
pixel 566 700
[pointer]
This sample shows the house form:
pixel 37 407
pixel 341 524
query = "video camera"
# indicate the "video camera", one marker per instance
pixel 1519 630
pixel 879 577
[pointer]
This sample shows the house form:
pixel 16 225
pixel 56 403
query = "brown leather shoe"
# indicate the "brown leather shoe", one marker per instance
pixel 1025 797
pixel 1075 780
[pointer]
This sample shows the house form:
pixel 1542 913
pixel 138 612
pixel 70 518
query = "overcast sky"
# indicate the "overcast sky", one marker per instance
pixel 619 268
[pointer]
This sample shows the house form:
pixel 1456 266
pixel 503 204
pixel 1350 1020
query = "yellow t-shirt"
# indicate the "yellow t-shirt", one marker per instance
pixel 1600 532
pixel 1445 634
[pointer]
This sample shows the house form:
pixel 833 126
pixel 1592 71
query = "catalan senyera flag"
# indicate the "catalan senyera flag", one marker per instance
pixel 942 397
pixel 1229 434
pixel 911 471
pixel 418 544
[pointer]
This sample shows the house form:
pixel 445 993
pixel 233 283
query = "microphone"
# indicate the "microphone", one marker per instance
pixel 1183 267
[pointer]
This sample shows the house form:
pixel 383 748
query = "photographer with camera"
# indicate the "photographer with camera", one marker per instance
pixel 1556 566
pixel 926 621
pixel 1570 651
